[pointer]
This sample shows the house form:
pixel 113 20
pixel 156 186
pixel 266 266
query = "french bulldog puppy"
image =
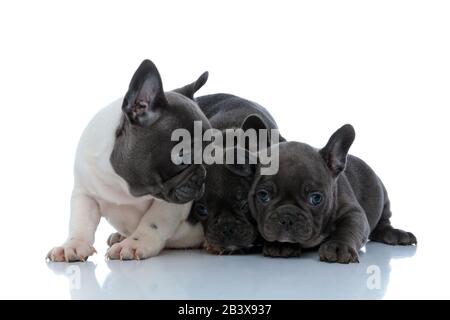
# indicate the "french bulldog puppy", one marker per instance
pixel 323 198
pixel 123 172
pixel 223 208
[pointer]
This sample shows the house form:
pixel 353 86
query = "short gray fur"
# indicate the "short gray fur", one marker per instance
pixel 142 149
pixel 352 207
pixel 223 209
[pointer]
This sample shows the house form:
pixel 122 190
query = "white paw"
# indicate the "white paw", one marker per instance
pixel 71 250
pixel 132 249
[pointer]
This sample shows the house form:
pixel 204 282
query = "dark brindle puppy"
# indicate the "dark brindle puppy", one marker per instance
pixel 223 209
pixel 323 198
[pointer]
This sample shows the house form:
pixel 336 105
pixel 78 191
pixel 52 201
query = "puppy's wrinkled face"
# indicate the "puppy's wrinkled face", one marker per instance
pixel 296 204
pixel 177 183
pixel 292 205
pixel 142 153
pixel 224 210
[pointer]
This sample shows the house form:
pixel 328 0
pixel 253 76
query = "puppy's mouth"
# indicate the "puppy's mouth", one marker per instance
pixel 271 237
pixel 228 250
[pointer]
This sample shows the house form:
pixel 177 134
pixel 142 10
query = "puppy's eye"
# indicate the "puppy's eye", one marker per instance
pixel 314 198
pixel 263 196
pixel 201 210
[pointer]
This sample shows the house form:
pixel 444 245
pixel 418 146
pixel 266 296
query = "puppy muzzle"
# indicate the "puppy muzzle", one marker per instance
pixel 187 186
pixel 231 235
pixel 287 224
pixel 192 186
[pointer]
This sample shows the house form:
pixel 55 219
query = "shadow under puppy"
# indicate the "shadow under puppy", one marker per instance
pixel 323 198
pixel 123 172
pixel 223 209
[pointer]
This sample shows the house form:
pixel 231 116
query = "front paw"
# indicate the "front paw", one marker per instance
pixel 211 249
pixel 71 251
pixel 134 249
pixel 334 251
pixel 282 249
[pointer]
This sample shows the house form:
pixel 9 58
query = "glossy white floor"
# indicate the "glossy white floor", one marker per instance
pixel 383 272
pixel 195 275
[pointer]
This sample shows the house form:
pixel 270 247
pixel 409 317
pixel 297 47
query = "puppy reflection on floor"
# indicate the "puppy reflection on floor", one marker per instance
pixel 165 277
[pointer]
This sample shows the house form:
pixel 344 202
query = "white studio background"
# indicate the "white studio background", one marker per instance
pixel 382 66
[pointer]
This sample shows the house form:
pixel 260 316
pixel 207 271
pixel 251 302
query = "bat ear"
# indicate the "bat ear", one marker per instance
pixel 255 122
pixel 243 162
pixel 145 95
pixel 190 89
pixel 336 150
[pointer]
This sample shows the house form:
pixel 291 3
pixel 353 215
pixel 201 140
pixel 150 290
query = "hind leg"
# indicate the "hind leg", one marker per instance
pixel 384 232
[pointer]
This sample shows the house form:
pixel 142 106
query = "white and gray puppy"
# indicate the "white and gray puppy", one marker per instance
pixel 123 172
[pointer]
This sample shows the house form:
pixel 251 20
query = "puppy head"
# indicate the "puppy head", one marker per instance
pixel 223 209
pixel 150 117
pixel 295 204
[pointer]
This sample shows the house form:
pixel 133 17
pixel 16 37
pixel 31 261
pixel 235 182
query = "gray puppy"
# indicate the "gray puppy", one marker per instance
pixel 223 209
pixel 323 198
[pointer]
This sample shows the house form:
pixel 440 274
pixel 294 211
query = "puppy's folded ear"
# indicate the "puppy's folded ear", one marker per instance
pixel 190 89
pixel 336 150
pixel 240 161
pixel 255 122
pixel 145 95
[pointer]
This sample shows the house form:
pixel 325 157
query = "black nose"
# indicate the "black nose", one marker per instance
pixel 286 222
